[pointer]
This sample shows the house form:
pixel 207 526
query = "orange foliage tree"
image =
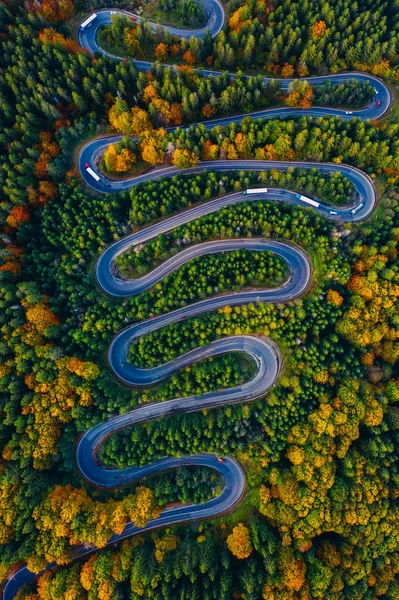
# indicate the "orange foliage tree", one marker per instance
pixel 319 29
pixel 300 93
pixel 41 317
pixel 239 542
pixel 208 110
pixel 161 51
pixel 18 215
pixel 209 151
pixel 48 149
pixel 189 58
pixel 11 257
pixel 50 36
pixel 171 113
pixel 54 10
pixel 287 70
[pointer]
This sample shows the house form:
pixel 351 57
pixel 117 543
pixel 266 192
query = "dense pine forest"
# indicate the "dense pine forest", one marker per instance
pixel 320 515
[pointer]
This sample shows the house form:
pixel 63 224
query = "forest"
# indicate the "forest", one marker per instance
pixel 320 515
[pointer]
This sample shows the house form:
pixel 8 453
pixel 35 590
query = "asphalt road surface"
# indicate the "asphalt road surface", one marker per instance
pixel 262 351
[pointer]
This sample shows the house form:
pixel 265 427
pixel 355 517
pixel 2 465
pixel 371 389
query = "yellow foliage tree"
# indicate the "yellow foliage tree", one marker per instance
pixel 129 121
pixel 141 507
pixel 41 317
pixel 150 146
pixel 183 159
pixel 165 544
pixel 118 161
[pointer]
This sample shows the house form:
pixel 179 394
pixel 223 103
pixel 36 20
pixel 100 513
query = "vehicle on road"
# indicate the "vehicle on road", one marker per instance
pixel 255 191
pixel 357 208
pixel 92 173
pixel 349 112
pixel 220 459
pixel 307 200
pixel 89 21
pixel 378 103
pixel 282 192
pixel 333 212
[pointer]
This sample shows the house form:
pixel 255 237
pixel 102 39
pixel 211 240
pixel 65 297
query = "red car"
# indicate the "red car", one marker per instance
pixel 134 18
pixel 87 165
pixel 220 459
pixel 378 103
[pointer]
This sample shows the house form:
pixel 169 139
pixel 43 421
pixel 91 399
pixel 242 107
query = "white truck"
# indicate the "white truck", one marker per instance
pixel 255 191
pixel 307 200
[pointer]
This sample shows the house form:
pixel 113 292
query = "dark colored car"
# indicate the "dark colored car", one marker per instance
pixel 281 192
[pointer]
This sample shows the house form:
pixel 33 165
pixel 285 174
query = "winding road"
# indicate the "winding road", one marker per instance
pixel 262 351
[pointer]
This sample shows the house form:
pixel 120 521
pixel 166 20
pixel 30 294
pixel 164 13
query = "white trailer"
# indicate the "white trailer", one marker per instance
pixel 307 200
pixel 92 173
pixel 88 21
pixel 255 191
pixel 357 208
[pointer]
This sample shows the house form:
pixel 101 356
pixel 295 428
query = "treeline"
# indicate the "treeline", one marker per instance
pixel 285 40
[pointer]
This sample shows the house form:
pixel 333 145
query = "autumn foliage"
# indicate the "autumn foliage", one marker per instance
pixel 319 29
pixel 54 10
pixel 182 159
pixel 150 146
pixel 370 322
pixel 50 36
pixel 68 516
pixel 118 162
pixel 11 258
pixel 18 215
pixel 300 93
pixel 132 121
pixel 161 51
pixel 239 542
pixel 167 112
